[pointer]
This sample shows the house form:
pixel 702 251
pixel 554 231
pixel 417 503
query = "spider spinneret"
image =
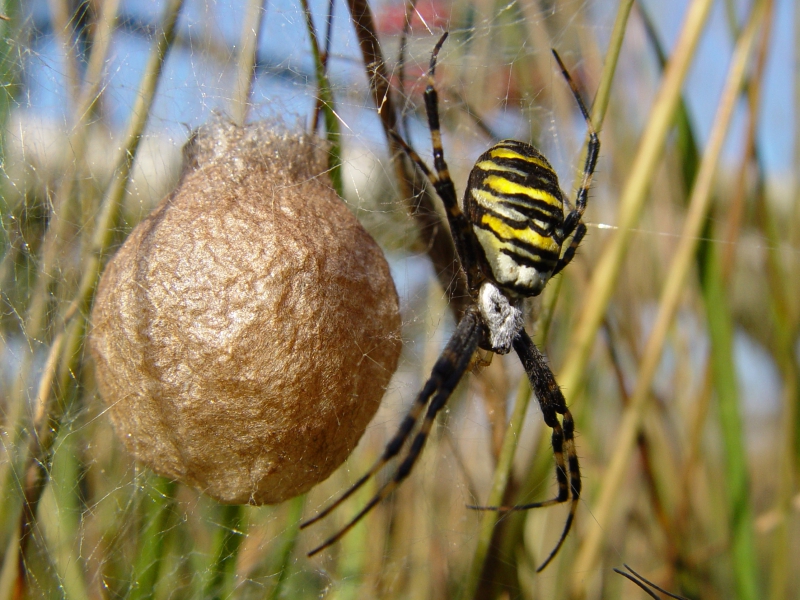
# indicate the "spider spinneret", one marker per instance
pixel 509 239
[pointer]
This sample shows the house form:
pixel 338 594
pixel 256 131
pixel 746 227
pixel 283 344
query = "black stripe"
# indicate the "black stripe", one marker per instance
pixel 545 255
pixel 550 212
pixel 532 212
pixel 513 223
pixel 529 221
pixel 542 265
pixel 520 148
pixel 533 176
pixel 543 171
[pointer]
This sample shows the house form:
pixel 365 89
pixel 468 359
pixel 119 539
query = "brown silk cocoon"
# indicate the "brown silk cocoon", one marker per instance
pixel 246 330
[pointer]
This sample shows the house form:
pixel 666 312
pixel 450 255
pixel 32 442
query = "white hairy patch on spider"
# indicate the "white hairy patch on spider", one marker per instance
pixel 502 317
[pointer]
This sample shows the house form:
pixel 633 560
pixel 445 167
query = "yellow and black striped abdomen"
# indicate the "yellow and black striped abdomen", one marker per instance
pixel 516 209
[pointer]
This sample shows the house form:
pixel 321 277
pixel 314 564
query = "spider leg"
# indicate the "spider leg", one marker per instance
pixel 392 449
pixel 415 158
pixel 567 257
pixel 572 222
pixel 445 183
pixel 446 374
pixel 463 236
pixel 552 404
pixel 592 152
pixel 460 229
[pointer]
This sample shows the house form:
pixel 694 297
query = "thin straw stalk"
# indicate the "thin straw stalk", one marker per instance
pixel 246 60
pixel 787 327
pixel 325 95
pixel 502 470
pixel 435 235
pixel 671 295
pixel 74 318
pixel 607 269
pixel 51 247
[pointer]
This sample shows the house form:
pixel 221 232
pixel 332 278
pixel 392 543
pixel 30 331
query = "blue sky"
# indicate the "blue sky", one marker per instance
pixel 193 86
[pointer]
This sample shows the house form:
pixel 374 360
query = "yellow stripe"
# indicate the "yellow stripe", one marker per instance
pixel 506 153
pixel 500 204
pixel 507 204
pixel 527 235
pixel 488 165
pixel 504 186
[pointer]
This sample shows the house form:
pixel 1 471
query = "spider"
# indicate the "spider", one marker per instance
pixel 509 238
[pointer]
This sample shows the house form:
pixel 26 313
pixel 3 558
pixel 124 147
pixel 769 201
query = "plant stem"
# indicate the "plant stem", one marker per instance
pixel 159 503
pixel 671 294
pixel 227 543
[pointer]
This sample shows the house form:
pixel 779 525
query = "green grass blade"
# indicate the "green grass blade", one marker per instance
pixel 157 508
pixel 327 106
pixel 786 328
pixel 607 269
pixel 740 512
pixel 228 540
pixel 500 481
pixel 288 543
pixel 505 462
pixel 668 304
pixel 58 382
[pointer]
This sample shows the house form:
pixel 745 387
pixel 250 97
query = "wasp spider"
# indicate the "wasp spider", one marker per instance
pixel 509 238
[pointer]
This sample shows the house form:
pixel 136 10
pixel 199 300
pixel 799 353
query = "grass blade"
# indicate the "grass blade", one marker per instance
pixel 157 509
pixel 670 297
pixel 227 542
pixel 505 462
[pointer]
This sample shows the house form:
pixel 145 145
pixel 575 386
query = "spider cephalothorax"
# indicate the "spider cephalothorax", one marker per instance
pixel 509 238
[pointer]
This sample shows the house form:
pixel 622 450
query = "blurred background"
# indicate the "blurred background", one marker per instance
pixel 673 333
